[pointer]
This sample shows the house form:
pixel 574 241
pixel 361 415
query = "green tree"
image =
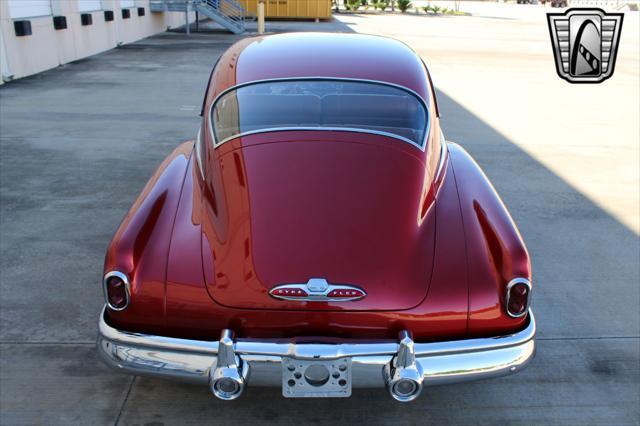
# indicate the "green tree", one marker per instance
pixel 403 5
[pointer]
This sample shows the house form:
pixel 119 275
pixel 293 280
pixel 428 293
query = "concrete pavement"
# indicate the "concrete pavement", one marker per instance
pixel 78 143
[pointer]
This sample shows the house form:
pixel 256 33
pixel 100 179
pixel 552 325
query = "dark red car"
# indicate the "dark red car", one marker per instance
pixel 319 234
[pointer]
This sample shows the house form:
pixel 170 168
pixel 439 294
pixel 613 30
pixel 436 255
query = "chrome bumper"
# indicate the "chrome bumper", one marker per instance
pixel 259 362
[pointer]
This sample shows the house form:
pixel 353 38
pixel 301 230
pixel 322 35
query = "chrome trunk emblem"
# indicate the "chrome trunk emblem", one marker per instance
pixel 317 290
pixel 317 285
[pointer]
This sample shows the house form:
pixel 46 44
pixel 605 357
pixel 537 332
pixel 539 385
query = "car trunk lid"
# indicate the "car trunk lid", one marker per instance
pixel 346 210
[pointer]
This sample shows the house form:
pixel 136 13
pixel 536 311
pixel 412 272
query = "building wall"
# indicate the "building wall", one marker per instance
pixel 47 47
pixel 305 9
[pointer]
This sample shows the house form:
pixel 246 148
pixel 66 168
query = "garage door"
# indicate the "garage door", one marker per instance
pixel 89 5
pixel 29 8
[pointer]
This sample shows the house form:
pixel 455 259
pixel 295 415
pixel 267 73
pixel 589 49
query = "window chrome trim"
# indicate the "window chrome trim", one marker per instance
pixel 328 129
pixel 507 295
pixel 422 147
pixel 127 288
pixel 197 148
pixel 443 152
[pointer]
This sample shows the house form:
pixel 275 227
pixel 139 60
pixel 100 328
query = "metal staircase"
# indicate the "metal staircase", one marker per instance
pixel 227 13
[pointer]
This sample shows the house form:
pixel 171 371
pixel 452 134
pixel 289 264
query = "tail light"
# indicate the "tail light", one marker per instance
pixel 518 297
pixel 116 290
pixel 289 292
pixel 348 293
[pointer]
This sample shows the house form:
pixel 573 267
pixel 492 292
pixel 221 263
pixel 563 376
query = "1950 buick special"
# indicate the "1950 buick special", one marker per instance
pixel 319 235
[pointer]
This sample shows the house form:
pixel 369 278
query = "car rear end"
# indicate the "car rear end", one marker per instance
pixel 321 236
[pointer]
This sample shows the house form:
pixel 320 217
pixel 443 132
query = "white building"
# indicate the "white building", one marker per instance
pixel 36 35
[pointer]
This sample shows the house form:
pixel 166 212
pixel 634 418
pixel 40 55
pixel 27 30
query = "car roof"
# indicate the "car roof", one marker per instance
pixel 327 55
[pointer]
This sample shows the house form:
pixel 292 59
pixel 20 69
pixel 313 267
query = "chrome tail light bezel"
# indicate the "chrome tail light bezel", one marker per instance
pixel 507 296
pixel 127 288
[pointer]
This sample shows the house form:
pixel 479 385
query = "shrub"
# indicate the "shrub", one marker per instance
pixel 381 5
pixel 403 5
pixel 455 12
pixel 352 4
pixel 433 9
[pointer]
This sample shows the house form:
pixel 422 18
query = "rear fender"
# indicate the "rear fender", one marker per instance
pixel 140 246
pixel 496 253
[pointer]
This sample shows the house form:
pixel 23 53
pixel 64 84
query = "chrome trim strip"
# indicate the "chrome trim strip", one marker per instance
pixel 443 152
pixel 197 147
pixel 422 147
pixel 328 129
pixel 506 301
pixel 127 288
pixel 439 362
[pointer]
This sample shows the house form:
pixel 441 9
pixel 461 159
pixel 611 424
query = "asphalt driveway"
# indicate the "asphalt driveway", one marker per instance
pixel 78 143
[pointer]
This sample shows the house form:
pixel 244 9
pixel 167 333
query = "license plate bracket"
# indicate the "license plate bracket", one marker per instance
pixel 303 378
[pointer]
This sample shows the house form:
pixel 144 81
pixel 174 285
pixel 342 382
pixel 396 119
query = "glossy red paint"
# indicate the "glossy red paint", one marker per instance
pixel 496 252
pixel 341 206
pixel 192 313
pixel 216 229
pixel 140 246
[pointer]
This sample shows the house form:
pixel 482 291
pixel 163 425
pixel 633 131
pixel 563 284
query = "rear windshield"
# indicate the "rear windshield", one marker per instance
pixel 325 105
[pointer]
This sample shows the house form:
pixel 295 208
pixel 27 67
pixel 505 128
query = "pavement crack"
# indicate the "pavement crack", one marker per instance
pixel 124 402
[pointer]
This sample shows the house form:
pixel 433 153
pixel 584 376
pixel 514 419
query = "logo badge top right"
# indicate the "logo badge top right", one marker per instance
pixel 585 43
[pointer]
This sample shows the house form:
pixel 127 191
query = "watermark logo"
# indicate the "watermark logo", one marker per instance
pixel 585 43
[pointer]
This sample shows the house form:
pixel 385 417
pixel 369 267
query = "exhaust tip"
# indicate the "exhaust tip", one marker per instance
pixel 405 390
pixel 227 388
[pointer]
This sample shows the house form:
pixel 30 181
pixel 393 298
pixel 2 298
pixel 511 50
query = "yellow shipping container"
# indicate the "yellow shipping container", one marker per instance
pixel 309 9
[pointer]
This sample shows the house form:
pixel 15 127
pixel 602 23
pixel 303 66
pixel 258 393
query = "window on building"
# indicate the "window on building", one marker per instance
pixel 29 8
pixel 125 4
pixel 89 5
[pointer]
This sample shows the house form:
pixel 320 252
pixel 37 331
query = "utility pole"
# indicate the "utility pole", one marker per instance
pixel 186 18
pixel 261 16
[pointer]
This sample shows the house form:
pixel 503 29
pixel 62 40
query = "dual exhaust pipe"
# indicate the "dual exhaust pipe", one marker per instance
pixel 403 376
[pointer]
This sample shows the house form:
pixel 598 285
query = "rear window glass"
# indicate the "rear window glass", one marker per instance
pixel 320 105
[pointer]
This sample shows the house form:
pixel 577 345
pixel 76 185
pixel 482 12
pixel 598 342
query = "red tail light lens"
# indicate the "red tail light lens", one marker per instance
pixel 116 287
pixel 289 292
pixel 518 297
pixel 346 293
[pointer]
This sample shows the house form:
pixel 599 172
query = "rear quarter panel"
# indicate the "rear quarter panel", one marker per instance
pixel 496 252
pixel 140 246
